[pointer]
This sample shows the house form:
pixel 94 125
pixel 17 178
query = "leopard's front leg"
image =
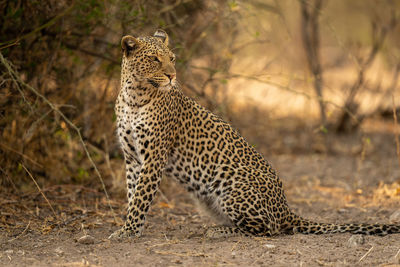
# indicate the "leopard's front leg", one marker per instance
pixel 139 202
pixel 132 169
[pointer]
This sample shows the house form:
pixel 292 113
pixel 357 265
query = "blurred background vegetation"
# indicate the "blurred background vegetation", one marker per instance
pixel 294 76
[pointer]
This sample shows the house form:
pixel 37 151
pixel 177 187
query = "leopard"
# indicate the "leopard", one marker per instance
pixel 163 132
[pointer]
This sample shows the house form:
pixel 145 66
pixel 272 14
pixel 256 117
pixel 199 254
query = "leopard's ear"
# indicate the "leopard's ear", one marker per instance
pixel 162 35
pixel 129 44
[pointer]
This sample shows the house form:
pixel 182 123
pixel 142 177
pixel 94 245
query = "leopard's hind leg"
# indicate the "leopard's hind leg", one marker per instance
pixel 247 213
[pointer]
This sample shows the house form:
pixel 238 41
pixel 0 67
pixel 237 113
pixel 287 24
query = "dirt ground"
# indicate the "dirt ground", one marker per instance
pixel 346 186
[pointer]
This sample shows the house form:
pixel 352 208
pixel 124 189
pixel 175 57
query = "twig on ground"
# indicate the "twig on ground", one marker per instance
pixel 70 220
pixel 23 232
pixel 40 190
pixel 366 254
pixel 14 75
pixel 397 254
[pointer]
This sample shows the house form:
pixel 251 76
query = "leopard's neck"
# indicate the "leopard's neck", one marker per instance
pixel 135 94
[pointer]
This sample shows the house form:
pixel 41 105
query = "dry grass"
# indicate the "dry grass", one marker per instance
pixel 72 206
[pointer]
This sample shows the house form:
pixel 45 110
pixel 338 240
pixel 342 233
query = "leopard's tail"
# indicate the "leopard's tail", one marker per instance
pixel 304 226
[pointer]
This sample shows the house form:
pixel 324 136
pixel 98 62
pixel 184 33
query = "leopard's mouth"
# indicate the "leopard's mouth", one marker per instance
pixel 157 83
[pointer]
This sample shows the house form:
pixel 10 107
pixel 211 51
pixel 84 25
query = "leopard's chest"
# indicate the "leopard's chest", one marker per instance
pixel 130 124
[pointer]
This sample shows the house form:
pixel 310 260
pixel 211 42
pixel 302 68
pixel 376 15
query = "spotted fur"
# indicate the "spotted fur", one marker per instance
pixel 164 132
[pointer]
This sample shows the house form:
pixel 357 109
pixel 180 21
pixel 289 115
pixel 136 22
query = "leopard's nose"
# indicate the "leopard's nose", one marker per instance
pixel 170 76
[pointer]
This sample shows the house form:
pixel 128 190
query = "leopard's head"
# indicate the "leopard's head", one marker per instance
pixel 149 60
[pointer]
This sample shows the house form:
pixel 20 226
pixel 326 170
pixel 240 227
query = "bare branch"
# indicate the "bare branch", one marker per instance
pixel 378 39
pixel 311 43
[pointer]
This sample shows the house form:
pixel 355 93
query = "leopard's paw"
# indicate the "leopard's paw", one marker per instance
pixel 122 234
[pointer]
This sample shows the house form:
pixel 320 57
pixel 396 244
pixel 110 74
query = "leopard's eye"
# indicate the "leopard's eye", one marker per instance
pixel 172 58
pixel 154 58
